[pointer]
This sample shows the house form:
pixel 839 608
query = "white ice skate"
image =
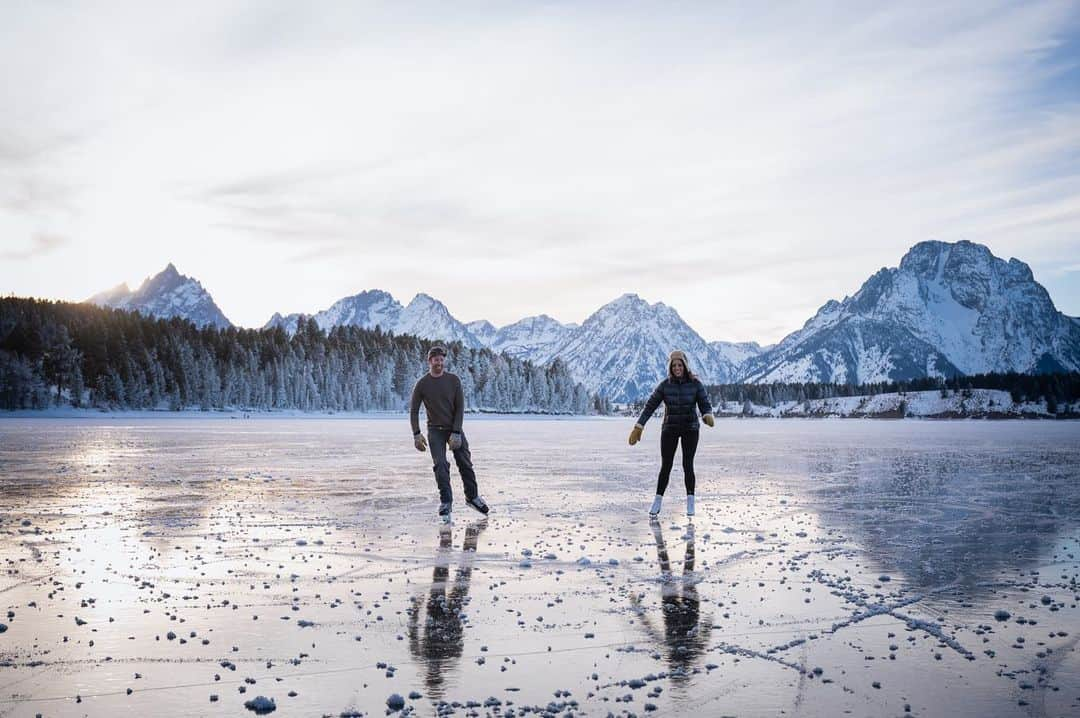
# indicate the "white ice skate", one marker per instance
pixel 654 510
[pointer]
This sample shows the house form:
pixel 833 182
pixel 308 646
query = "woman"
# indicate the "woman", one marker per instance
pixel 681 392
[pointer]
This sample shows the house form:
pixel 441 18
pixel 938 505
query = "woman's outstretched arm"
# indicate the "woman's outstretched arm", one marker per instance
pixel 703 404
pixel 652 404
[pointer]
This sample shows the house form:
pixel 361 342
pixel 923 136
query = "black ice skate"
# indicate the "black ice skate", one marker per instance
pixel 479 504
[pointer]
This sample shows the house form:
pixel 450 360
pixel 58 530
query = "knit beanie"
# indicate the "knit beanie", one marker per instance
pixel 681 357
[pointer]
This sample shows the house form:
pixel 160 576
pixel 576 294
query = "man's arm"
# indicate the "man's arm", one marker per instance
pixel 414 408
pixel 459 406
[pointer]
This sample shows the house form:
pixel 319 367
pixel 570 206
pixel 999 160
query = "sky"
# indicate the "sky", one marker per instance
pixel 741 162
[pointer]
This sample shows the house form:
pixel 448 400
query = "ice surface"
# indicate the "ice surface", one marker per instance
pixel 833 566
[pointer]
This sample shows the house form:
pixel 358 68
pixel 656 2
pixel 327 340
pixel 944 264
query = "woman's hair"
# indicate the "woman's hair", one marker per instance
pixel 686 370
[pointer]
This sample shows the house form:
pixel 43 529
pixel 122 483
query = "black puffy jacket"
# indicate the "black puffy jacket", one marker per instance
pixel 680 398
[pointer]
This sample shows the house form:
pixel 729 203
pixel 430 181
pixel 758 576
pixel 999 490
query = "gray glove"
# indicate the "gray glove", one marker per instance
pixel 420 442
pixel 455 441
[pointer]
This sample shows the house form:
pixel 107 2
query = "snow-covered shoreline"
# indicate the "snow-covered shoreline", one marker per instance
pixel 971 404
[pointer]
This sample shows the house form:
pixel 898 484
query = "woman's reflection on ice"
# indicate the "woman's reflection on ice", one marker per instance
pixel 685 635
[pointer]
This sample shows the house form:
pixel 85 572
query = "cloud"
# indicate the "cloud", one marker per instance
pixel 331 251
pixel 40 244
pixel 30 193
pixel 541 157
pixel 292 233
pixel 26 151
pixel 30 184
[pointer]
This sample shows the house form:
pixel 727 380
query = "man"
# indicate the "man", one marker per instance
pixel 444 401
pixel 439 643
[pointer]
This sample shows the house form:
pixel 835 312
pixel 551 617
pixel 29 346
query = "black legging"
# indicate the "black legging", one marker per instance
pixel 668 441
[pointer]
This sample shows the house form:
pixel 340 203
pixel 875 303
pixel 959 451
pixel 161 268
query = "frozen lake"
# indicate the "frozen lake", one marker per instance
pixel 846 566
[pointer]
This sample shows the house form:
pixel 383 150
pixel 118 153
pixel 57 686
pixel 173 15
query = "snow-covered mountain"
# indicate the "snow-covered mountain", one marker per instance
pixel 621 350
pixel 483 330
pixel 533 338
pixel 428 317
pixel 287 323
pixel 114 297
pixel 733 355
pixel 423 317
pixel 370 309
pixel 948 308
pixel 165 295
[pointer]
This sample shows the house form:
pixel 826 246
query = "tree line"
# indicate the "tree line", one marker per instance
pixel 1054 389
pixel 65 354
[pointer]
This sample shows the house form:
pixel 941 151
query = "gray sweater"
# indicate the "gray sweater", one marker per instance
pixel 443 399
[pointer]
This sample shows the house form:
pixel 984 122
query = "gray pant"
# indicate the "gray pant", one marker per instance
pixel 438 439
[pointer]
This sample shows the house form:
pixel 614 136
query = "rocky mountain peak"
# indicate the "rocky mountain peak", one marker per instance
pixel 948 307
pixel 165 295
pixel 426 301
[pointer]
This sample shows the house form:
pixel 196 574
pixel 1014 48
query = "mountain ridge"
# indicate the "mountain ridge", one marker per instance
pixel 165 295
pixel 946 309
